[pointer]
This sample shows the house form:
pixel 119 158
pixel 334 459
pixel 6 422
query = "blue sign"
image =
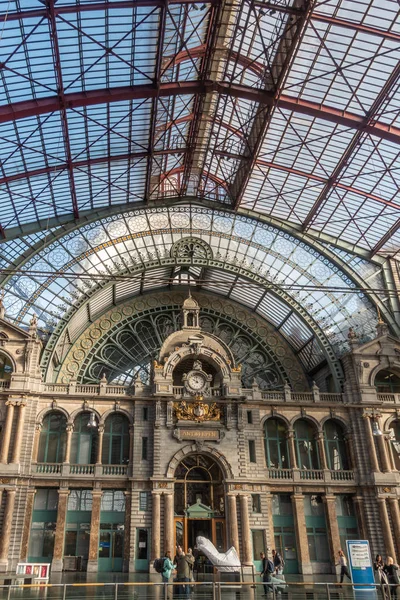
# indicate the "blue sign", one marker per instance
pixel 360 563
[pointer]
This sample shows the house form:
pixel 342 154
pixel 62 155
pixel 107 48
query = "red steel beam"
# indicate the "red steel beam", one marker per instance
pixel 101 6
pixel 385 238
pixel 35 107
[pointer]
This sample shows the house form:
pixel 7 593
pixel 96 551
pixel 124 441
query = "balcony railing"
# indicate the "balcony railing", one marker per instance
pixel 389 398
pixel 4 384
pixel 180 392
pixel 115 470
pixel 48 468
pixel 310 475
pixel 81 469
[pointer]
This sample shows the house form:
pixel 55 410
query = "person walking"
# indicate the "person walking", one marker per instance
pixel 344 570
pixel 267 569
pixel 278 562
pixel 168 567
pixel 184 562
pixel 392 573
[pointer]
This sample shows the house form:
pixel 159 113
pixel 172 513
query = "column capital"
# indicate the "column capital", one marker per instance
pixel 97 493
pixel 63 491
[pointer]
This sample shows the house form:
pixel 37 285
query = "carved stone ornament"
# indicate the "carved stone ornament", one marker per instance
pixel 197 411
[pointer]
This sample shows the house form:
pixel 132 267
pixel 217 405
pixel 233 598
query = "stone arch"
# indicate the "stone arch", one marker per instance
pixel 309 418
pixel 345 424
pixel 113 411
pixel 7 354
pixel 276 416
pixel 383 366
pixel 50 409
pixel 193 449
pixel 391 419
pixel 78 411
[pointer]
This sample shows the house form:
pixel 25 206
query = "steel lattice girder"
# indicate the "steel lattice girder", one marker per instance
pixel 32 108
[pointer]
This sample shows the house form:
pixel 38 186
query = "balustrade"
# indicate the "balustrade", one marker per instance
pixel 115 469
pixel 48 468
pixel 81 469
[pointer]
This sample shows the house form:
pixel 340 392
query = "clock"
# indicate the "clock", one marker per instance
pixel 195 382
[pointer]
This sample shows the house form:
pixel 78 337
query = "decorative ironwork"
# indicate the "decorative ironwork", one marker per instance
pixel 197 411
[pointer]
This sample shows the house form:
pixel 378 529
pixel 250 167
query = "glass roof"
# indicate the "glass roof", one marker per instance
pixel 288 109
pixel 70 281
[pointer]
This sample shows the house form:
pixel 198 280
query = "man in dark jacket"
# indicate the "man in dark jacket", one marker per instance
pixel 278 562
pixel 183 571
pixel 266 572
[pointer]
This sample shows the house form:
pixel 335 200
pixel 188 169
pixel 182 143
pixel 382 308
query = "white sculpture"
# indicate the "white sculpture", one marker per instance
pixel 228 561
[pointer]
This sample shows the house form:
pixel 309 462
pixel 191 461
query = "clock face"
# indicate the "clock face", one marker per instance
pixel 196 381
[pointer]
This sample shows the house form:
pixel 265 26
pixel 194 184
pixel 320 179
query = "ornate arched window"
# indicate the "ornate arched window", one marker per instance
pixel 395 443
pixel 52 438
pixel 84 441
pixel 387 382
pixel 276 447
pixel 306 445
pixel 198 481
pixel 6 367
pixel 335 444
pixel 116 441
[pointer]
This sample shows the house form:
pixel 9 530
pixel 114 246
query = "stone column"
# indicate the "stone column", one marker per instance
pixel 383 453
pixel 360 513
pixel 292 449
pixel 19 432
pixel 127 531
pixel 386 531
pixel 270 531
pixel 246 532
pixel 301 534
pixel 69 430
pixel 321 450
pixel 169 523
pixel 131 446
pixel 92 565
pixel 99 458
pixel 394 511
pixel 349 438
pixel 30 499
pixel 333 528
pixel 5 446
pixel 371 446
pixel 8 519
pixel 156 526
pixel 233 522
pixel 58 554
pixel 36 439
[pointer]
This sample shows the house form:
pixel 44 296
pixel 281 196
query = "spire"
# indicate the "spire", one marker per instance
pixel 2 309
pixel 381 327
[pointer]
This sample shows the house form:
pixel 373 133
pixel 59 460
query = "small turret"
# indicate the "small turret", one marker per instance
pixel 191 313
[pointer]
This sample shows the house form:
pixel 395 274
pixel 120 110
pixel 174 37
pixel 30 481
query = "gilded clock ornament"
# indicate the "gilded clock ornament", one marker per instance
pixel 197 411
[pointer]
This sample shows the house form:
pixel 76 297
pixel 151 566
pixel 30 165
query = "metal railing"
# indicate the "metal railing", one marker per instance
pixel 210 590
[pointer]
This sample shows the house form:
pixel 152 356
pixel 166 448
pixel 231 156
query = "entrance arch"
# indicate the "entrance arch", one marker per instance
pixel 199 500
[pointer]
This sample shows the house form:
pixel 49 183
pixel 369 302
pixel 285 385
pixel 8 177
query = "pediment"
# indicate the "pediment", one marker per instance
pixel 385 344
pixel 13 332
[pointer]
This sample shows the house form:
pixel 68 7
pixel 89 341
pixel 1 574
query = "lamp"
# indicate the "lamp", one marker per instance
pixel 92 421
pixel 375 429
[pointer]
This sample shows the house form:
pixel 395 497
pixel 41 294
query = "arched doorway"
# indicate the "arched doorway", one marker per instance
pixel 199 502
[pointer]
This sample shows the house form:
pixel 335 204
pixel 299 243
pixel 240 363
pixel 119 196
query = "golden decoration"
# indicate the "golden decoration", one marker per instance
pixel 157 365
pixel 197 411
pixel 163 484
pixel 237 369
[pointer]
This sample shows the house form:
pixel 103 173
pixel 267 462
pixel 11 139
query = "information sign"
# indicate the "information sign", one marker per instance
pixel 360 564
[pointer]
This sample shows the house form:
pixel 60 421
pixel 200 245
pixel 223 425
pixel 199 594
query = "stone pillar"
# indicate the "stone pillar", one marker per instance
pixel 270 538
pixel 383 453
pixel 301 534
pixel 5 446
pixel 19 432
pixel 321 450
pixel 360 513
pixel 156 526
pixel 8 519
pixel 92 565
pixel 99 458
pixel 233 522
pixel 371 445
pixel 394 511
pixel 58 554
pixel 30 499
pixel 333 528
pixel 131 445
pixel 169 523
pixel 36 439
pixel 349 438
pixel 127 531
pixel 69 430
pixel 292 449
pixel 246 532
pixel 386 531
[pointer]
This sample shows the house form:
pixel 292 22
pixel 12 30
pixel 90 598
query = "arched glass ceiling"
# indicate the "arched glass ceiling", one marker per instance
pixel 288 108
pixel 302 292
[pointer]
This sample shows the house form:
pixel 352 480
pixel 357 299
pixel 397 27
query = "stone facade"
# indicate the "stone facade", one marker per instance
pixel 178 425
